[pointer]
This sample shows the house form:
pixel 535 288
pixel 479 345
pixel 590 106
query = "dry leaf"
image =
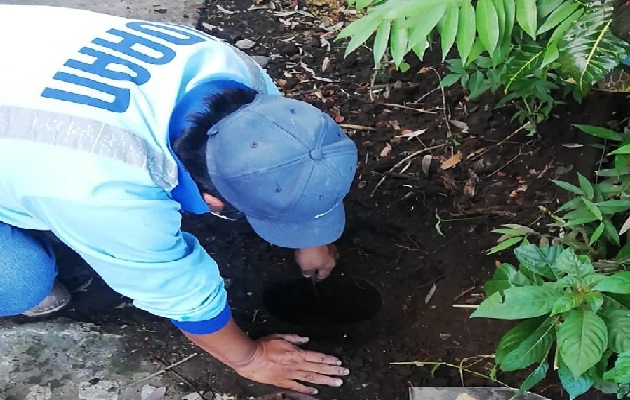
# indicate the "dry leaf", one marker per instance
pixel 430 295
pixel 572 145
pixel 325 63
pixel 625 227
pixel 426 163
pixel 466 396
pixel 459 124
pixel 386 150
pixel 453 161
pixel 357 127
pixel 409 134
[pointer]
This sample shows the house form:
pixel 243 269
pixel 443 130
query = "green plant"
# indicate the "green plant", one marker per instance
pixel 526 48
pixel 572 317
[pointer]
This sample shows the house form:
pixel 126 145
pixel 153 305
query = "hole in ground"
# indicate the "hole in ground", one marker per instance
pixel 337 300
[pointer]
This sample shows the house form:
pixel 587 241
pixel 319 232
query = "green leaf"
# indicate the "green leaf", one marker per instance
pixel 569 187
pixel 540 260
pixel 532 348
pixel 506 244
pixel 380 40
pixel 526 15
pixel 589 50
pixel 533 379
pixel 597 234
pixel 449 80
pixel 551 55
pixel 546 7
pixel 447 27
pixel 622 150
pixel 399 40
pixel 487 24
pixel 571 204
pixel 515 336
pixel 558 15
pixel 586 186
pixel 566 302
pixel 594 301
pixel 618 323
pixel 361 4
pixel 425 22
pixel 613 206
pixel 575 386
pixel 505 276
pixel 518 303
pixel 582 339
pixel 510 18
pixel 617 283
pixel 466 30
pixel 559 32
pixel 599 132
pixel 611 231
pixel 573 264
pixel 527 59
pixel 620 373
pixel 359 31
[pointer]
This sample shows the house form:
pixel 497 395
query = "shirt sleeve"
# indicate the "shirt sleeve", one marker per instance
pixel 135 243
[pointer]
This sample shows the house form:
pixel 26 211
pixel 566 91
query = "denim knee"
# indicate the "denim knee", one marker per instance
pixel 27 270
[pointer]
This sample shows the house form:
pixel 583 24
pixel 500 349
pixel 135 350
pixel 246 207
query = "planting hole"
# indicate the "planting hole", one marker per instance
pixel 336 300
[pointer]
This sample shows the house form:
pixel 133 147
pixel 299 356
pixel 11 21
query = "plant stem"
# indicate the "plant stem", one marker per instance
pixel 438 364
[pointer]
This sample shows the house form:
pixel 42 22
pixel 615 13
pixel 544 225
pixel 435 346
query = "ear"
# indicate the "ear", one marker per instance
pixel 215 204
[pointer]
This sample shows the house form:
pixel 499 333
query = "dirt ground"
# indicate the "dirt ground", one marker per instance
pixel 426 156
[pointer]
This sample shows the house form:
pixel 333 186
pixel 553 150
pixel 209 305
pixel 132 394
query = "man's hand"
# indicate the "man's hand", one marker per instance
pixel 317 262
pixel 278 361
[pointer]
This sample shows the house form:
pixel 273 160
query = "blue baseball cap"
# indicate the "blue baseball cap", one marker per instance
pixel 287 166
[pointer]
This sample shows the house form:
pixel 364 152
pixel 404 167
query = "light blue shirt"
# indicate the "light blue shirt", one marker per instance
pixel 85 109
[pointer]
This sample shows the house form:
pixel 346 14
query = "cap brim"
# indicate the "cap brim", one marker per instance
pixel 300 235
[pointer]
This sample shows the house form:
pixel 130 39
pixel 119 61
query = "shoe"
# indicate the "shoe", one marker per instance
pixel 58 298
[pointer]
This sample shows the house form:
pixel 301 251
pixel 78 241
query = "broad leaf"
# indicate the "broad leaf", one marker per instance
pixel 466 30
pixel 589 50
pixel 582 340
pixel 526 15
pixel 381 40
pixel 488 24
pixel 359 31
pixel 559 32
pixel 515 336
pixel 510 18
pixel 425 22
pixel 618 322
pixel 546 7
pixel 572 264
pixel 447 27
pixel 519 303
pixel 600 132
pixel 533 379
pixel 532 349
pixel 592 208
pixel 621 371
pixel 505 244
pixel 505 276
pixel 558 15
pixel 597 234
pixel 575 386
pixel 586 186
pixel 609 207
pixel 594 301
pixel 567 302
pixel 617 283
pixel 610 231
pixel 621 150
pixel 399 40
pixel 527 59
pixel 539 259
pixel 569 187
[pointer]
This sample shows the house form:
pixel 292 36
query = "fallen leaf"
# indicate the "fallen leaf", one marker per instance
pixel 572 145
pixel 357 127
pixel 426 163
pixel 625 227
pixel 430 295
pixel 460 125
pixel 325 63
pixel 386 150
pixel 453 161
pixel 409 134
pixel 224 11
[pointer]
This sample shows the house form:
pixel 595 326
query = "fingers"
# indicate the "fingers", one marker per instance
pixel 316 379
pixel 320 358
pixel 325 369
pixel 322 274
pixel 297 387
pixel 291 338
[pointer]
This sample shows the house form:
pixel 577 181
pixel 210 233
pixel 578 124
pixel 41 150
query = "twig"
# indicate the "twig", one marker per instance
pixel 438 364
pixel 505 165
pixel 486 211
pixel 446 114
pixel 465 292
pixel 484 150
pixel 357 127
pixel 185 380
pixel 471 306
pixel 165 369
pixel 404 160
pixel 420 110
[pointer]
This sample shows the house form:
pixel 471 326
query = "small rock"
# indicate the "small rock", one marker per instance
pixel 192 396
pixel 245 44
pixel 261 60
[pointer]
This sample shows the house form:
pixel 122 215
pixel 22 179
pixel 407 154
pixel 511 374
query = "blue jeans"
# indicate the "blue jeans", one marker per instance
pixel 27 270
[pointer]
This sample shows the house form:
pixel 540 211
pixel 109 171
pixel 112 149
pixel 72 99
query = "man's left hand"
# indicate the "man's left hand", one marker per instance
pixel 317 262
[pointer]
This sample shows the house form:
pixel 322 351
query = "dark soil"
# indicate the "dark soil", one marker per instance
pixel 393 239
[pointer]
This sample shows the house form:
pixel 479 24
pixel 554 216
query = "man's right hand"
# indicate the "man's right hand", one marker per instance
pixel 274 360
pixel 279 362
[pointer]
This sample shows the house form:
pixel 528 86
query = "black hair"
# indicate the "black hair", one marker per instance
pixel 190 147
